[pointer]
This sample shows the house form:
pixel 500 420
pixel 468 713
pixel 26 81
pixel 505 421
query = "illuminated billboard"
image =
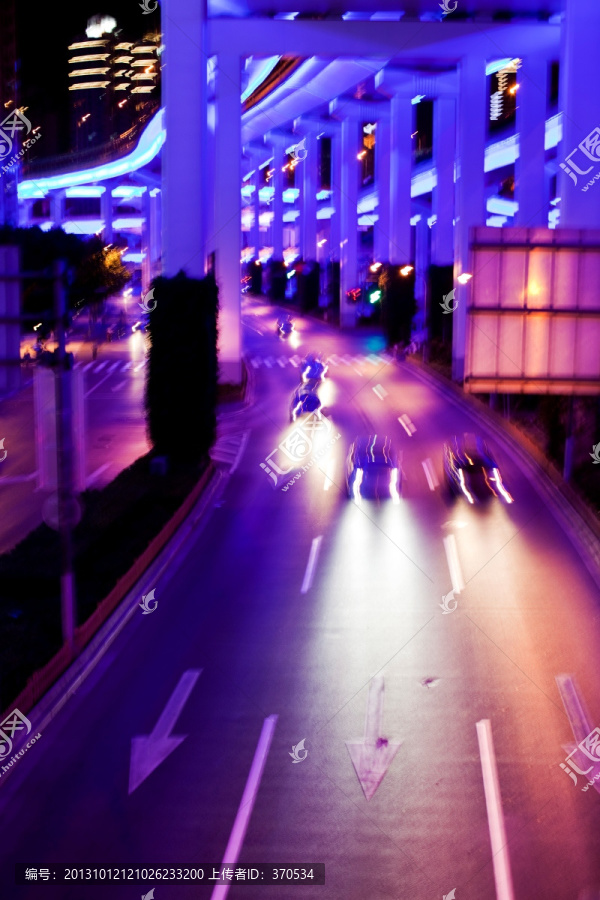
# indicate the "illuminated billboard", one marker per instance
pixel 533 320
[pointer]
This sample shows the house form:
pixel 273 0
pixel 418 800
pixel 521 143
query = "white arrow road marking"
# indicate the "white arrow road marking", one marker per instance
pixel 493 802
pixel 453 563
pixel 238 832
pixel 311 564
pixel 380 391
pixel 372 756
pixel 147 752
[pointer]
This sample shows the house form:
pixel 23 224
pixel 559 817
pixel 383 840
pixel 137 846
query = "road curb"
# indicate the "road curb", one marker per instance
pixel 569 511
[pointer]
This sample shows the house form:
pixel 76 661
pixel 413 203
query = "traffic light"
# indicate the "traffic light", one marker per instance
pixel 373 293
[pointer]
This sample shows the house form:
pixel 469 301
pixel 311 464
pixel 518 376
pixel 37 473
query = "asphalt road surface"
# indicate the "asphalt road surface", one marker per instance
pixel 302 605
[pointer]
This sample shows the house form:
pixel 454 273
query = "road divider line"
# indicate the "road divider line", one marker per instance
pixel 329 474
pixel 493 802
pixel 311 564
pixel 430 474
pixel 453 563
pixel 240 826
pixel 407 424
pixel 95 475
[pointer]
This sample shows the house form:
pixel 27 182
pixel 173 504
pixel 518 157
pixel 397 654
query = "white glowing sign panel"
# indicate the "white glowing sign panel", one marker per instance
pixel 533 321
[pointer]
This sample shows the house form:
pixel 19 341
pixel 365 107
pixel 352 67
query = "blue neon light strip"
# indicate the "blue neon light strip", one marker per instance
pixel 149 144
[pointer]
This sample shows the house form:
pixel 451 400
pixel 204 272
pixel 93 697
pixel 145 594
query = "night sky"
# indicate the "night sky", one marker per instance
pixel 44 31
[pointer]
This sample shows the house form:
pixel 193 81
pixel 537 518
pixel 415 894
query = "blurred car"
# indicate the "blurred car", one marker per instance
pixel 285 326
pixel 305 401
pixel 313 368
pixel 470 469
pixel 373 469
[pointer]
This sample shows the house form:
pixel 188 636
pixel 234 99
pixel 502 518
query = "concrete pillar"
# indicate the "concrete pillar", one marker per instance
pixel 400 179
pixel 106 211
pixel 579 151
pixel 228 232
pixel 421 268
pixel 308 170
pixel 348 219
pixel 184 92
pixel 381 230
pixel 336 199
pixel 444 155
pixel 57 208
pixel 470 190
pixel 256 242
pixel 277 143
pixel 145 241
pixel 530 177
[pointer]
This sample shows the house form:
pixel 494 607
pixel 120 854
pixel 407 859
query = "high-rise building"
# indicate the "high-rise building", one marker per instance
pixel 115 83
pixel 9 90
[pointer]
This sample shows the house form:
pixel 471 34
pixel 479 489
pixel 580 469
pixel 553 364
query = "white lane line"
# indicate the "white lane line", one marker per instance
pixel 311 564
pixel 240 826
pixel 97 385
pixel 256 362
pixel 17 479
pixel 127 366
pixel 77 365
pixel 406 423
pixel 119 386
pixel 95 475
pixel 453 563
pixel 101 366
pixel 139 366
pixel 493 802
pixel 333 360
pixel 282 364
pixel 347 360
pixel 380 391
pixel 240 452
pixel 329 474
pixel 430 474
pixel 269 362
pixel 115 366
pixel 295 361
pixel 88 365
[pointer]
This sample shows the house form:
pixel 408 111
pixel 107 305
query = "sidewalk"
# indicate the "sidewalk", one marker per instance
pixel 115 432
